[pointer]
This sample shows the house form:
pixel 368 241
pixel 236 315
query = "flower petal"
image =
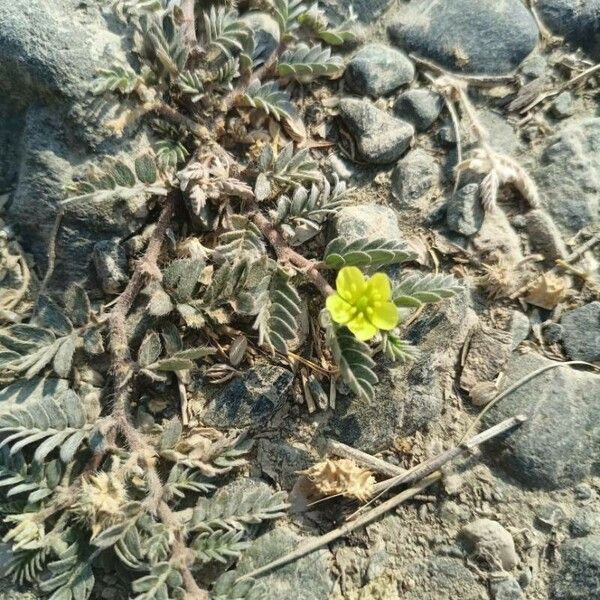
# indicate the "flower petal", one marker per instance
pixel 361 328
pixel 379 288
pixel 340 310
pixel 383 315
pixel 350 284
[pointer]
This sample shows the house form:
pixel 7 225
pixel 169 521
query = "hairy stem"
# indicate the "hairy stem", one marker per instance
pixel 289 256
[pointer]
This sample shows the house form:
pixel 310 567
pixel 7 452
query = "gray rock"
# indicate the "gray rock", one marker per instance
pixel 419 107
pixel 487 540
pixel 446 135
pixel 472 36
pixel 576 20
pixel 569 176
pixel 47 62
pixel 441 578
pixel 266 34
pixel 579 576
pixel 519 328
pixel 365 10
pixel 534 66
pixel 581 332
pixel 415 177
pixel 563 106
pixel 489 350
pixel 308 578
pixel 110 261
pixel 370 221
pixel 464 213
pixel 380 138
pixel 250 400
pixel 544 236
pixel 549 515
pixel 496 238
pixel 553 333
pixel 506 589
pixel 502 135
pixel 556 446
pixel 585 522
pixel 377 70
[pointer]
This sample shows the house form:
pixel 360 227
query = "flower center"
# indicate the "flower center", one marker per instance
pixel 362 304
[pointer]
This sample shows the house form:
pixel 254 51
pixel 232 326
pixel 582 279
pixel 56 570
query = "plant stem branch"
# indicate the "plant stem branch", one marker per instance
pixel 287 255
pixel 364 459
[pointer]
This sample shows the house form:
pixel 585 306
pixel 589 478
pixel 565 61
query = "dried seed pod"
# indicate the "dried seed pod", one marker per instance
pixel 340 476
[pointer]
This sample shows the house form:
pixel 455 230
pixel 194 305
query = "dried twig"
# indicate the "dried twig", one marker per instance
pixel 413 475
pixel 362 458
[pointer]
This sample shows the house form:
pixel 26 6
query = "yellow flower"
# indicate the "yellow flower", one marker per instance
pixel 363 306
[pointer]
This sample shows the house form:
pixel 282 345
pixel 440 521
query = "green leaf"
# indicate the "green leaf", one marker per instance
pixel 279 307
pixel 195 353
pixel 352 357
pixel 122 174
pixel 171 434
pixel 172 364
pixel 287 13
pixel 23 338
pixel 150 349
pixel 339 253
pixel 304 63
pixel 270 99
pixel 63 359
pixel 416 289
pixel 181 277
pixel 145 169
pixel 51 316
pixel 116 79
pixel 244 241
pixel 224 32
pixel 220 546
pixel 77 305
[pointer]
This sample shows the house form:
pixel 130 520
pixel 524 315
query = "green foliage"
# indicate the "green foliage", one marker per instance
pixel 416 290
pixel 397 349
pixel 224 32
pixel 279 309
pixel 304 63
pixel 116 79
pixel 352 357
pixel 363 253
pixel 219 545
pixel 269 98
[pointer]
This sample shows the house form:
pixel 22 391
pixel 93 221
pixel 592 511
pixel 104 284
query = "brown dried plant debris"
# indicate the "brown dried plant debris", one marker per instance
pixel 342 476
pixel 547 291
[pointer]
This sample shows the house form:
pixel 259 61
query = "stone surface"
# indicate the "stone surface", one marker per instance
pixel 441 578
pixel 585 522
pixel 377 70
pixel 419 107
pixel 581 332
pixel 452 33
pixel 49 54
pixel 414 178
pixel 464 213
pixel 488 541
pixel 506 589
pixel 308 578
pixel 563 106
pixel 110 261
pixel 489 349
pixel 496 238
pixel 577 20
pixel 519 328
pixel 250 400
pixel 579 575
pixel 556 446
pixel 569 175
pixel 544 236
pixel 369 221
pixel 380 137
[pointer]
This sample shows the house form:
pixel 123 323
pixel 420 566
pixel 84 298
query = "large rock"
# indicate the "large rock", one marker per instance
pixel 249 400
pixel 377 70
pixel 576 20
pixel 569 176
pixel 472 36
pixel 415 179
pixel 581 332
pixel 579 576
pixel 49 54
pixel 556 447
pixel 368 221
pixel 308 578
pixel 419 107
pixel 380 137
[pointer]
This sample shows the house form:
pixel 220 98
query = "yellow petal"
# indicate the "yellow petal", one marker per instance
pixel 383 315
pixel 350 284
pixel 378 287
pixel 340 310
pixel 361 328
